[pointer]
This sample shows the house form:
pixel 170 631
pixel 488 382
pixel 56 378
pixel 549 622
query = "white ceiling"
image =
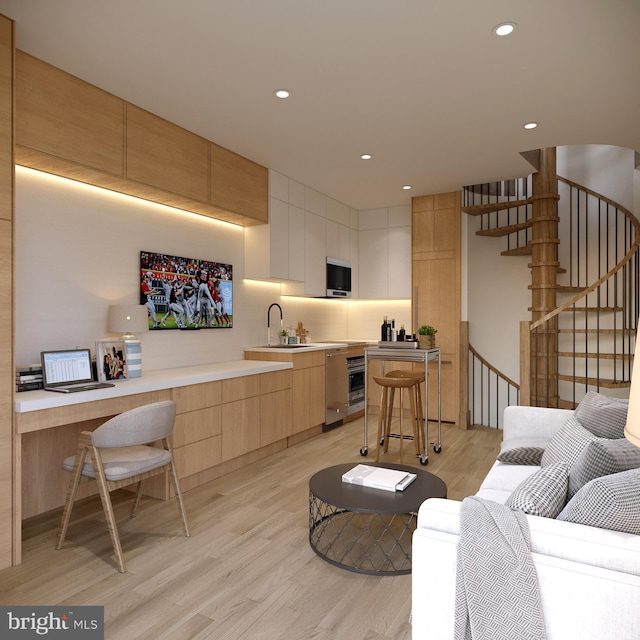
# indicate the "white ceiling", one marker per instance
pixel 423 85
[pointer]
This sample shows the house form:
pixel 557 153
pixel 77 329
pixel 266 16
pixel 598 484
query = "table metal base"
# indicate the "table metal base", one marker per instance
pixel 372 543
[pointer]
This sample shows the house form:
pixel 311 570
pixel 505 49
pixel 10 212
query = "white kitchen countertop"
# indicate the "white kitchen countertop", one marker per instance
pixel 150 381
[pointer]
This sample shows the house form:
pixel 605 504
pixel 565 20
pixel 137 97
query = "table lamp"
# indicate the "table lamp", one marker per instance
pixel 127 320
pixel 632 428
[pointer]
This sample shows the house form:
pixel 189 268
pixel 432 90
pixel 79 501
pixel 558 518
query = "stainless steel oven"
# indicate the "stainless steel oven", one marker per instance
pixel 355 384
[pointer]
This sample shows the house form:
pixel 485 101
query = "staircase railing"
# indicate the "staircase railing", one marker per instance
pixel 490 391
pixel 590 337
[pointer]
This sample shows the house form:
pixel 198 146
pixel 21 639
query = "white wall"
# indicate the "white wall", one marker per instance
pixel 77 251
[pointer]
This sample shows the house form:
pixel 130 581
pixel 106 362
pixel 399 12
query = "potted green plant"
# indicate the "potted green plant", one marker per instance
pixel 284 336
pixel 427 336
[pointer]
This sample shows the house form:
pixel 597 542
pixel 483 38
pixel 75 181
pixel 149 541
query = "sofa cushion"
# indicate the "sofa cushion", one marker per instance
pixel 567 444
pixel 523 451
pixel 610 502
pixel 602 457
pixel 543 493
pixel 605 417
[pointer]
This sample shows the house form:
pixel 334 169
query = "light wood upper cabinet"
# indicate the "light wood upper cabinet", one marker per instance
pixel 65 117
pixel 238 184
pixel 163 155
pixel 70 128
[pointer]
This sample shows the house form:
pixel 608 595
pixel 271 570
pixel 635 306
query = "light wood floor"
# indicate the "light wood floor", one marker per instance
pixel 247 571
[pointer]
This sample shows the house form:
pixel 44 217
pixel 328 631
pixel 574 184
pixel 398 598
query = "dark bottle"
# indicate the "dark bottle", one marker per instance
pixel 401 334
pixel 385 330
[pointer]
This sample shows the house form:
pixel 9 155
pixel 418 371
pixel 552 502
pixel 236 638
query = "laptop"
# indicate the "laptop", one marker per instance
pixel 69 371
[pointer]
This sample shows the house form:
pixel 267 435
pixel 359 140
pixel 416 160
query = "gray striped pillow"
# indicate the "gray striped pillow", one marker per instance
pixel 543 493
pixel 611 502
pixel 605 417
pixel 567 444
pixel 602 457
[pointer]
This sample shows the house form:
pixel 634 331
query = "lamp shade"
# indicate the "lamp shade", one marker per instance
pixel 632 428
pixel 127 319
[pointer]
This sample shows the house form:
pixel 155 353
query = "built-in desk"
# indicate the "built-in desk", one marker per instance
pixel 229 414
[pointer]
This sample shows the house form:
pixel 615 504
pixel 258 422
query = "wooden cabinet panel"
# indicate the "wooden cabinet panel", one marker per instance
pixel 240 427
pixel 238 184
pixel 198 456
pixel 163 155
pixel 239 388
pixel 436 278
pixel 60 115
pixel 316 396
pixel 197 425
pixel 197 396
pixel 6 119
pixel 300 420
pixel 275 381
pixel 275 409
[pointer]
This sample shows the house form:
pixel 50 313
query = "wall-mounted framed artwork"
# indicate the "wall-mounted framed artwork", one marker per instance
pixel 111 360
pixel 186 293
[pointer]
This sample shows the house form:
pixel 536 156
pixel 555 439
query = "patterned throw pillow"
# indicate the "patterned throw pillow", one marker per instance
pixel 611 502
pixel 605 417
pixel 523 451
pixel 567 443
pixel 542 493
pixel 602 457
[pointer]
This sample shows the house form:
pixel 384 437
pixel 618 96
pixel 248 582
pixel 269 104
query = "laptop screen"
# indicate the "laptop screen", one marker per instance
pixel 66 367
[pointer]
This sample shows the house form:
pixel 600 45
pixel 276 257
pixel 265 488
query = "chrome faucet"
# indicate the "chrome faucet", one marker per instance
pixel 275 304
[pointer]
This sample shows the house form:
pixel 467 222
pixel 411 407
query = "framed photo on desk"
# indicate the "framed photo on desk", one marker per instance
pixel 111 360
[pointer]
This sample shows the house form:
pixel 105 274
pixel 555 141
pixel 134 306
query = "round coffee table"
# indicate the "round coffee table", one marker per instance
pixel 367 530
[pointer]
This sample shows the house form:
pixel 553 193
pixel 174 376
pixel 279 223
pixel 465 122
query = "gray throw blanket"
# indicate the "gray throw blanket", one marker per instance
pixel 497 594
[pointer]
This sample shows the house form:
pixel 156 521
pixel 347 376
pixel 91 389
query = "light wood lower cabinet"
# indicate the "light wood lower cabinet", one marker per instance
pixel 220 426
pixel 308 387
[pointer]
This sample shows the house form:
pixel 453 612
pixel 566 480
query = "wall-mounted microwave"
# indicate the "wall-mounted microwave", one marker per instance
pixel 338 278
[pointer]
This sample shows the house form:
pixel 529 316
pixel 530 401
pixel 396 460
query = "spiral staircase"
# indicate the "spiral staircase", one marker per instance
pixel 584 286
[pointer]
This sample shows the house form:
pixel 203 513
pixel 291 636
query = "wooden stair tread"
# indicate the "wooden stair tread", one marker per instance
pixel 518 251
pixel 592 309
pixel 565 288
pixel 492 207
pixel 600 356
pixel 499 232
pixel 626 332
pixel 597 382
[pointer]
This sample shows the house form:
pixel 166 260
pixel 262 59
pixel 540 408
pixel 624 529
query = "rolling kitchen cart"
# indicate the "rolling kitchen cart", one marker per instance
pixel 405 354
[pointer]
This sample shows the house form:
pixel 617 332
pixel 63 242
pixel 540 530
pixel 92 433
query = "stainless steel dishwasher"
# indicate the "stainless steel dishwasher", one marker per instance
pixel 336 387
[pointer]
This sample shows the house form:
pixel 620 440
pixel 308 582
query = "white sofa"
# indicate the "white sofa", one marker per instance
pixel 589 577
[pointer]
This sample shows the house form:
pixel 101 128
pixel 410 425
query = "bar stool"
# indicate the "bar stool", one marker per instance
pixel 420 376
pixel 389 385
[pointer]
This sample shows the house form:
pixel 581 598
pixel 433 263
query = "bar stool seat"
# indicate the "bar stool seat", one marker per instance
pixel 420 376
pixel 388 385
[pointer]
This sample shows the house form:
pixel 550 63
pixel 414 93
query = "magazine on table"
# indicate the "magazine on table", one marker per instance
pixel 379 477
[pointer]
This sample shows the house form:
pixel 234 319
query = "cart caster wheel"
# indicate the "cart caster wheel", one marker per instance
pixel 364 451
pixel 437 448
pixel 424 460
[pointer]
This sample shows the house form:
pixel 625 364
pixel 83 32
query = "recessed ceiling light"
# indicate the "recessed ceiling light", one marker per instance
pixel 504 29
pixel 407 187
pixel 531 125
pixel 282 93
pixel 366 156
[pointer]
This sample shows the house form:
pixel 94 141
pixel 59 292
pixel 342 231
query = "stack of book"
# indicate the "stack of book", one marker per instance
pixel 29 377
pixel 379 477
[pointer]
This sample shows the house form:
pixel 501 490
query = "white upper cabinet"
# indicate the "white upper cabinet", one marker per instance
pixel 384 253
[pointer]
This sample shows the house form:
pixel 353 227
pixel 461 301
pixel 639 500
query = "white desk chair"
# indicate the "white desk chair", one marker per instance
pixel 120 454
